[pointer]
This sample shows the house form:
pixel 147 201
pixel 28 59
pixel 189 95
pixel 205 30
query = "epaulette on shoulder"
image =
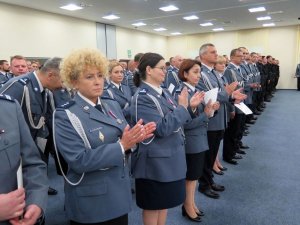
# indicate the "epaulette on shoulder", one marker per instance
pixel 24 81
pixel 178 90
pixel 7 97
pixel 106 87
pixel 67 104
pixel 143 91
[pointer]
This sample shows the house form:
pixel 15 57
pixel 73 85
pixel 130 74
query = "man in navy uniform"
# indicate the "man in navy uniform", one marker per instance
pixel 4 72
pixel 30 90
pixel 17 147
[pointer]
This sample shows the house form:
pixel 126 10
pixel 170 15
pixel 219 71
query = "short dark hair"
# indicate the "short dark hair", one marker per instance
pixel 2 61
pixel 234 51
pixel 186 65
pixel 137 57
pixel 17 57
pixel 148 59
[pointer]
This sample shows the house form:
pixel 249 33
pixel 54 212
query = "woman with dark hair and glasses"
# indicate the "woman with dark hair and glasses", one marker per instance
pixel 195 136
pixel 159 165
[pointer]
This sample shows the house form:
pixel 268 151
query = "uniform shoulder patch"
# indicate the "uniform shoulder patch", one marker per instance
pixel 7 97
pixel 67 104
pixel 24 80
pixel 107 97
pixel 143 91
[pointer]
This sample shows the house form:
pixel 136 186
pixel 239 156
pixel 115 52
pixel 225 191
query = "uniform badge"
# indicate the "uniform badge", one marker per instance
pixel 101 136
pixel 119 121
pixel 86 108
pixel 36 89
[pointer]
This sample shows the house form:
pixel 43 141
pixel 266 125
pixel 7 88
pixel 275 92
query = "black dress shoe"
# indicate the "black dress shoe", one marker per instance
pixel 241 152
pixel 231 161
pixel 242 146
pixel 218 172
pixel 209 193
pixel 250 122
pixel 52 191
pixel 217 187
pixel 237 157
pixel 223 168
pixel 184 213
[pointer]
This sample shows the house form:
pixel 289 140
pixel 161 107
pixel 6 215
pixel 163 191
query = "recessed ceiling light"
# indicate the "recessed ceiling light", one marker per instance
pixel 218 29
pixel 268 24
pixel 168 8
pixel 193 17
pixel 71 7
pixel 111 17
pixel 160 29
pixel 206 24
pixel 264 18
pixel 176 33
pixel 139 24
pixel 258 9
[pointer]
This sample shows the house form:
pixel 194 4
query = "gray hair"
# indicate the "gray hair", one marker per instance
pixel 204 48
pixel 51 64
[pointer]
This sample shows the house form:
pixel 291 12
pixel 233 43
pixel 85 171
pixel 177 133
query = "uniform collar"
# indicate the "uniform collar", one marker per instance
pixel 117 85
pixel 234 65
pixel 208 67
pixel 190 86
pixel 157 89
pixel 89 101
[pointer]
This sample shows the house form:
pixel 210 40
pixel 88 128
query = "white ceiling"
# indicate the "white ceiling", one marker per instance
pixel 229 14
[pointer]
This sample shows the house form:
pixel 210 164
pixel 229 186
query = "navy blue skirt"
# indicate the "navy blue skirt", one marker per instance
pixel 154 195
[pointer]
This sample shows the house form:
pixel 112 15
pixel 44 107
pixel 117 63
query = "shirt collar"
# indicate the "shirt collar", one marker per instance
pixel 89 101
pixel 190 86
pixel 157 89
pixel 235 65
pixel 39 82
pixel 117 85
pixel 210 68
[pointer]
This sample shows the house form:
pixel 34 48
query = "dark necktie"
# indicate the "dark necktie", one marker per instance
pixel 99 107
pixel 120 88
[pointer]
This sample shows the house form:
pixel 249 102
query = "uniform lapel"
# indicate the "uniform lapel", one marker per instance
pixel 95 114
pixel 37 95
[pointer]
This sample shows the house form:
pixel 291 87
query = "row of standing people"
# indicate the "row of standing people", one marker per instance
pixel 157 162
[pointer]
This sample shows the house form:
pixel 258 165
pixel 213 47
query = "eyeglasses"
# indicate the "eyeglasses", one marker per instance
pixel 164 69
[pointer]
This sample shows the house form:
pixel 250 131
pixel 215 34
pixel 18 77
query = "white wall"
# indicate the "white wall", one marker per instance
pixel 280 42
pixel 35 33
pixel 138 41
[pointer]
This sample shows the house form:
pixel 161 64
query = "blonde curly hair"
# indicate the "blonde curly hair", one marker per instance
pixel 75 64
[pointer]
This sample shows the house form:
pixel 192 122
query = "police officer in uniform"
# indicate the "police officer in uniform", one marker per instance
pixel 93 136
pixel 297 75
pixel 30 90
pixel 17 147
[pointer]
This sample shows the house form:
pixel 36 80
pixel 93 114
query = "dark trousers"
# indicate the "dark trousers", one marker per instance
pixel 214 140
pixel 122 220
pixel 298 83
pixel 231 141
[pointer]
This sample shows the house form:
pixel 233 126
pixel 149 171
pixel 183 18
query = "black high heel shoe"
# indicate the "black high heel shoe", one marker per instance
pixel 184 214
pixel 223 168
pixel 218 172
pixel 200 213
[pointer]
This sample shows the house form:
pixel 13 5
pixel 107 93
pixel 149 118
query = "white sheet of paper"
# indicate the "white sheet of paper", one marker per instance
pixel 241 106
pixel 171 88
pixel 211 94
pixel 20 175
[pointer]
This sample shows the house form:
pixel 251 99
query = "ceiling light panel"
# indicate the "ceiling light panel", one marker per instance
pixel 176 33
pixel 160 29
pixel 268 24
pixel 206 24
pixel 139 24
pixel 169 8
pixel 258 9
pixel 264 18
pixel 191 17
pixel 111 17
pixel 71 7
pixel 218 29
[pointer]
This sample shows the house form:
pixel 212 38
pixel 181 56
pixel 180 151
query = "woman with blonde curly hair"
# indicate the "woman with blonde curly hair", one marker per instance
pixel 93 137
